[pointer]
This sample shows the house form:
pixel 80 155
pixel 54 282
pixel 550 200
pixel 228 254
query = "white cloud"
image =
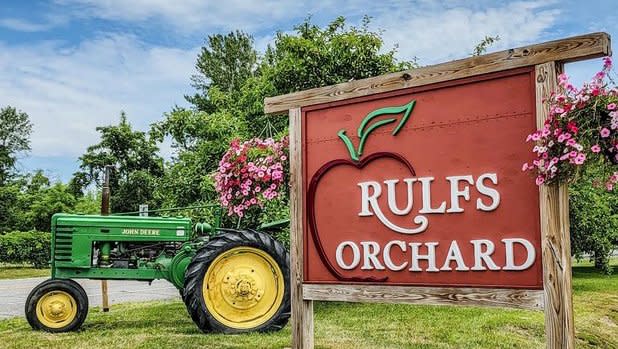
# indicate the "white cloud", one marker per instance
pixel 440 33
pixel 190 15
pixel 22 25
pixel 69 90
pixel 19 24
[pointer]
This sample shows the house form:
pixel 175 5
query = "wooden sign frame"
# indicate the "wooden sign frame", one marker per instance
pixel 556 297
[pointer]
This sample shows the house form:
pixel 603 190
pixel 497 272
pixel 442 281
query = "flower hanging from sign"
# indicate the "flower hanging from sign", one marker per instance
pixel 250 173
pixel 582 128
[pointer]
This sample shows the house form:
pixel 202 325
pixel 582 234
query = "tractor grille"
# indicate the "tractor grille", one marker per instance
pixel 64 244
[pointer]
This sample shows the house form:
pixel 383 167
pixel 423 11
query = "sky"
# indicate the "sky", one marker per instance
pixel 73 65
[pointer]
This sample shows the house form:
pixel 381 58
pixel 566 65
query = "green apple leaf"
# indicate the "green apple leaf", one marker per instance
pixel 364 131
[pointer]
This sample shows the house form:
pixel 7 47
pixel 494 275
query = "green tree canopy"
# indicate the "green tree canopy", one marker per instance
pixel 15 129
pixel 225 63
pixel 135 159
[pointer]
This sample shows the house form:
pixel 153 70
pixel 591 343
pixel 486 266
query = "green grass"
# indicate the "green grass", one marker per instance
pixel 346 325
pixel 12 271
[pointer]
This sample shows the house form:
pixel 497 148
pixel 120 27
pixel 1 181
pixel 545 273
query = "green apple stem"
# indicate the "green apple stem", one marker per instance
pixel 348 143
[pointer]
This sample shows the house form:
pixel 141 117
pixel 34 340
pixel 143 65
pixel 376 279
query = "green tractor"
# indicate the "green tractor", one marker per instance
pixel 235 281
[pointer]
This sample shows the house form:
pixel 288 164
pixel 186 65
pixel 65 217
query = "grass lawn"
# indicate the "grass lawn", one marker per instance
pixel 12 271
pixel 345 325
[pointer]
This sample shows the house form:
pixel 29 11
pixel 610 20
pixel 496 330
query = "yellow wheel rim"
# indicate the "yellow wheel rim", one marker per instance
pixel 243 288
pixel 56 309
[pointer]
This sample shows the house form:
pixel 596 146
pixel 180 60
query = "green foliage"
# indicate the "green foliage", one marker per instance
pixel 484 44
pixel 90 203
pixel 25 247
pixel 276 210
pixel 314 56
pixel 15 129
pixel 593 213
pixel 137 166
pixel 28 202
pixel 11 206
pixel 200 139
pixel 225 63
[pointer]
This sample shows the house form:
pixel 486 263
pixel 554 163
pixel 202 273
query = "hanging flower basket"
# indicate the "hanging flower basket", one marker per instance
pixel 250 173
pixel 582 129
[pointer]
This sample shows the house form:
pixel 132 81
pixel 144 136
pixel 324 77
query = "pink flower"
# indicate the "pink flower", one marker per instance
pixel 581 157
pixel 525 167
pixel 540 180
pixel 607 63
pixel 595 148
pixel 611 106
pixel 605 132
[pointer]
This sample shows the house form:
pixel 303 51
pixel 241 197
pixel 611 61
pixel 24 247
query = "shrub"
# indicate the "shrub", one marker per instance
pixel 31 247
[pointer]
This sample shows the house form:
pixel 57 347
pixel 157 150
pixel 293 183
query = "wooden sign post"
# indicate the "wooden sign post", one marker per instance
pixel 407 188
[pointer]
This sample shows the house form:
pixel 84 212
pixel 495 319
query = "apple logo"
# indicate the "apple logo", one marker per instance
pixel 358 162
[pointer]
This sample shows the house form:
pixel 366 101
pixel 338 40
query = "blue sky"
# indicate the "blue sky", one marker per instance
pixel 73 65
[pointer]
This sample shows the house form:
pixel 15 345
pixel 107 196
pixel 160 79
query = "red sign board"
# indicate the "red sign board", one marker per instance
pixel 423 186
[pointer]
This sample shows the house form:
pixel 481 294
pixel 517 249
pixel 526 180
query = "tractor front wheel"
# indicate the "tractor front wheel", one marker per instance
pixel 57 305
pixel 239 282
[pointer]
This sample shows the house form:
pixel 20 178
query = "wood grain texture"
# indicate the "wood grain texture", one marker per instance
pixel 302 310
pixel 565 50
pixel 104 296
pixel 494 297
pixel 556 243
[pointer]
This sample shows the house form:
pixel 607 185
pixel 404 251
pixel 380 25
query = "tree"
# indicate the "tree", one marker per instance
pixel 200 139
pixel 15 129
pixel 137 165
pixel 593 213
pixel 225 63
pixel 29 201
pixel 313 57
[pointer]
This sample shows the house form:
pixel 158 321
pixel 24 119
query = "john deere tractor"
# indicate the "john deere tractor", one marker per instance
pixel 235 281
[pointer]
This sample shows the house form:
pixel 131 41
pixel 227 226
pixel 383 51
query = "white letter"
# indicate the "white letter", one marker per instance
pixel 355 254
pixel 426 185
pixel 367 200
pixel 510 258
pixel 430 256
pixel 480 256
pixel 456 193
pixel 387 255
pixel 492 193
pixel 370 251
pixel 454 254
pixel 392 201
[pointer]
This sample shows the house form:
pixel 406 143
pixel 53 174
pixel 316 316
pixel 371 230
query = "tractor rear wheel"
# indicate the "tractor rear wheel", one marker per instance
pixel 239 282
pixel 57 305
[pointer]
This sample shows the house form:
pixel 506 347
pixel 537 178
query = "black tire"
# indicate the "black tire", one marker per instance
pixel 65 285
pixel 196 271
